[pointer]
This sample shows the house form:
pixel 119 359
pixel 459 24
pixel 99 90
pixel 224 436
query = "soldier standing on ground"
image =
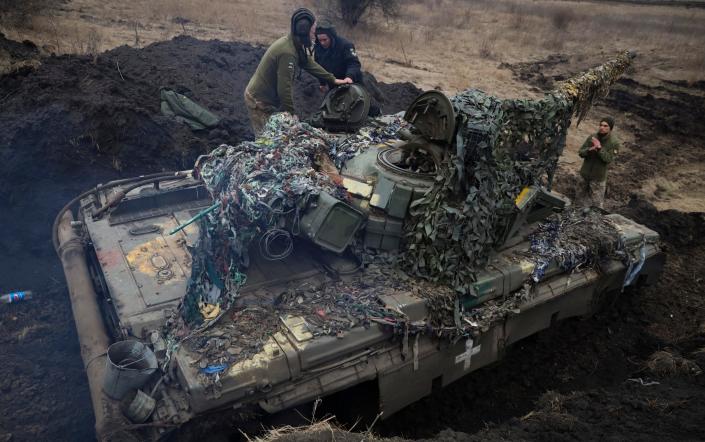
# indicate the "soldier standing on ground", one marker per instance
pixel 598 151
pixel 271 87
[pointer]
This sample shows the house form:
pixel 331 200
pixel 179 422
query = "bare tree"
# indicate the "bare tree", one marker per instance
pixel 351 11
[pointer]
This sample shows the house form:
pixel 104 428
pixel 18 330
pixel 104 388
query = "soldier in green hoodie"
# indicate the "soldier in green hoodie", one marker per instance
pixel 599 151
pixel 271 87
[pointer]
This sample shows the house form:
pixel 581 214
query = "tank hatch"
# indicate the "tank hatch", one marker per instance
pixel 345 108
pixel 432 114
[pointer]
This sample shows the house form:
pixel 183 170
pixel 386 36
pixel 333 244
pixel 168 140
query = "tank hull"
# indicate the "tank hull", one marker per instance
pixel 136 272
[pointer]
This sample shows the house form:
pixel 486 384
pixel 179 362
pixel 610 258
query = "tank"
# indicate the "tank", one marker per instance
pixel 418 250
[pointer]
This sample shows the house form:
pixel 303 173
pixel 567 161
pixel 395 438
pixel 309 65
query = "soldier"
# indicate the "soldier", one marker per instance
pixel 271 85
pixel 338 56
pixel 598 151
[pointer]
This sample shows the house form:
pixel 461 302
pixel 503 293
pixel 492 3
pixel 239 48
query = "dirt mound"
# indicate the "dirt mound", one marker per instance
pixel 17 50
pixel 673 309
pixel 17 58
pixel 536 73
pixel 666 362
pixel 633 410
pixel 677 228
pixel 106 109
pixel 670 108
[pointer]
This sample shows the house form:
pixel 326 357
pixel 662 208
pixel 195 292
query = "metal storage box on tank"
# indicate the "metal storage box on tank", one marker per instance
pixel 382 232
pixel 332 223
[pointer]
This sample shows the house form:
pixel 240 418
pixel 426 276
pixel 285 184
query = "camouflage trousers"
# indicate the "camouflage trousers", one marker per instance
pixel 591 193
pixel 259 112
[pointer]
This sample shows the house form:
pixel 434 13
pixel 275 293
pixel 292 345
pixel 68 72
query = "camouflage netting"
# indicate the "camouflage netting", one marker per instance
pixel 572 239
pixel 256 187
pixel 501 147
pixel 260 190
pixel 584 89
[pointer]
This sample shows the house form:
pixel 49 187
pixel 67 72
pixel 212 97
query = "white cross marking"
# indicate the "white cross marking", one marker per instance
pixel 466 356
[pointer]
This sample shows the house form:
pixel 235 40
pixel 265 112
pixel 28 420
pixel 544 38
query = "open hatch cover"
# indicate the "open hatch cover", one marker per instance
pixel 432 114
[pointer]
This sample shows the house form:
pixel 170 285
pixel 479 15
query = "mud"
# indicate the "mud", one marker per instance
pixel 16 57
pixel 74 121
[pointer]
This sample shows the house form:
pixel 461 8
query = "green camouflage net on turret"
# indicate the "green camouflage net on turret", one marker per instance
pixel 584 89
pixel 501 147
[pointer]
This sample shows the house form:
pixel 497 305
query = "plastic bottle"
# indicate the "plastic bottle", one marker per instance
pixel 13 297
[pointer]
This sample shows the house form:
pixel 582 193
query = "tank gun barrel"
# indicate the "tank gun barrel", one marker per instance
pixel 584 89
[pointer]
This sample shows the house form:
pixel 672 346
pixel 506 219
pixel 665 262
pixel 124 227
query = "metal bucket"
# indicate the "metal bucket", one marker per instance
pixel 129 365
pixel 138 406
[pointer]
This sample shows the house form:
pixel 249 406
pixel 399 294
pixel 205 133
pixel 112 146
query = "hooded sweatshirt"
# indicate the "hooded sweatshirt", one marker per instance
pixel 340 58
pixel 595 164
pixel 272 82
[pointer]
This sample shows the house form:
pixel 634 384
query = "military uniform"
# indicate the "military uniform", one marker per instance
pixel 594 170
pixel 271 87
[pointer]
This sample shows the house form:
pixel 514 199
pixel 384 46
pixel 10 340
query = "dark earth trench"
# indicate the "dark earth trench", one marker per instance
pixel 76 121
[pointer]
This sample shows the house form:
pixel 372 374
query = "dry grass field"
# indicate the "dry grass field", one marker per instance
pixel 445 44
